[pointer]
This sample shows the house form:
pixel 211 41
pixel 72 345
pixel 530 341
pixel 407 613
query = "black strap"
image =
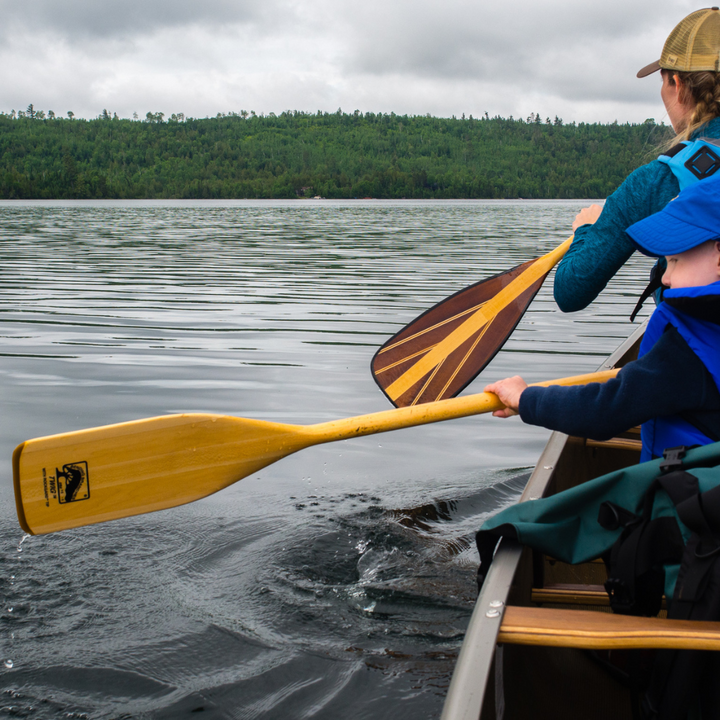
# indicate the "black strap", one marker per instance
pixel 636 574
pixel 654 284
pixel 711 508
pixel 700 513
pixel 487 541
pixel 612 516
pixel 674 150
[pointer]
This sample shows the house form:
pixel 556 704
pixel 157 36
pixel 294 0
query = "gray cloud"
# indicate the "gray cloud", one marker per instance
pixel 573 58
pixel 84 19
pixel 571 49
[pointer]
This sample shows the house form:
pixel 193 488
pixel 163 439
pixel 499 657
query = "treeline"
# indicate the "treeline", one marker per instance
pixel 333 155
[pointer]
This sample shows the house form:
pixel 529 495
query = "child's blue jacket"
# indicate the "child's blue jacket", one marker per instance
pixel 676 378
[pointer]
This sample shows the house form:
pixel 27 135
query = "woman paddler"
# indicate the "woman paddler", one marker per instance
pixel 690 71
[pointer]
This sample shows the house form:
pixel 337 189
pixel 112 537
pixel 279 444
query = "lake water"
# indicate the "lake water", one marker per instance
pixel 335 583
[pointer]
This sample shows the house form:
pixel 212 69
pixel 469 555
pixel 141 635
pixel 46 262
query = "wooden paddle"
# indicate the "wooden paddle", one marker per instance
pixel 440 352
pixel 105 473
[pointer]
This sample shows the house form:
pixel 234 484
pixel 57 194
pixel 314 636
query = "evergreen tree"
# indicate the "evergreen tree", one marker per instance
pixel 334 155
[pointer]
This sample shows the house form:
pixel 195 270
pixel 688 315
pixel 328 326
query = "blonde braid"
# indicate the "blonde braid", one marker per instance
pixel 704 88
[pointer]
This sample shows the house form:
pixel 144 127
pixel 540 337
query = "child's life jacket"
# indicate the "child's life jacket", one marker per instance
pixel 703 337
pixel 690 162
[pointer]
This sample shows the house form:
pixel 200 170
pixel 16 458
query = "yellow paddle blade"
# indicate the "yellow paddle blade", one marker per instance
pixel 440 352
pixel 104 473
pixel 90 476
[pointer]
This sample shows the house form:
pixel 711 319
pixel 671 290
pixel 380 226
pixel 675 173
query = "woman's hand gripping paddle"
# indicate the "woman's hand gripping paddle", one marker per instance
pixel 89 476
pixel 440 352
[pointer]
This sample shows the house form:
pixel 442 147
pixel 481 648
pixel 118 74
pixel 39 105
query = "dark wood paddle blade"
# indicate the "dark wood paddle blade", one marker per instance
pixel 439 353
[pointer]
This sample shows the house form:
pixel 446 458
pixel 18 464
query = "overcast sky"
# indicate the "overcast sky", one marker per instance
pixel 573 58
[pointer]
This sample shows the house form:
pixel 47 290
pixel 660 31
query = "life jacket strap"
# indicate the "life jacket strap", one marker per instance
pixel 655 284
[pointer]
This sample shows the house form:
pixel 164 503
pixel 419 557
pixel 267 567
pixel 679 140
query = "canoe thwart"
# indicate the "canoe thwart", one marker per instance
pixel 569 594
pixel 573 594
pixel 615 444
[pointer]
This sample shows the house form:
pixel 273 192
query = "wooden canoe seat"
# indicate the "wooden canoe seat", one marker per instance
pixel 603 631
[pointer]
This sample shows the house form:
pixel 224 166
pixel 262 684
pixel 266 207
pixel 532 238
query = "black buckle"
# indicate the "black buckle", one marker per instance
pixel 673 458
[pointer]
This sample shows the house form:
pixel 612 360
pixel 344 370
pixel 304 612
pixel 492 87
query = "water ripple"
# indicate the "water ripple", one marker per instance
pixel 338 581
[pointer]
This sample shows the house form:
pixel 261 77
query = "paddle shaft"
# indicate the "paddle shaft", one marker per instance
pixel 106 473
pixel 430 412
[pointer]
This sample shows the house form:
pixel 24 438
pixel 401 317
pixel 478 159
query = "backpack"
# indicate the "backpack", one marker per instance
pixel 657 527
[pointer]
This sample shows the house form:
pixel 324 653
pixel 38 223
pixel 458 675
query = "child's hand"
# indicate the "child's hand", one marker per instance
pixel 509 392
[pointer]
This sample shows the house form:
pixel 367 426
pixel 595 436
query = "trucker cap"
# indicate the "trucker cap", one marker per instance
pixel 691 219
pixel 693 45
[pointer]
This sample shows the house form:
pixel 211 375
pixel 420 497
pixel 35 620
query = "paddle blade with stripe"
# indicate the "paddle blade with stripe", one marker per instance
pixel 439 353
pixel 89 476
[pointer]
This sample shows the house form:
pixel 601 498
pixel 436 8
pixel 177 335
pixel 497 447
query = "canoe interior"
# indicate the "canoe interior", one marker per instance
pixel 572 683
pixel 567 682
pixel 514 682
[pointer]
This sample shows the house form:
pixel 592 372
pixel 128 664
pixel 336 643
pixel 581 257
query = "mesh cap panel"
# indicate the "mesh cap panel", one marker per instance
pixel 694 44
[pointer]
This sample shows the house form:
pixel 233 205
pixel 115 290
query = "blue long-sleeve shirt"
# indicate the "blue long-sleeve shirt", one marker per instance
pixel 600 250
pixel 670 379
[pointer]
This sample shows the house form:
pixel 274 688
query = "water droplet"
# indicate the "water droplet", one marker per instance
pixel 8 663
pixel 22 540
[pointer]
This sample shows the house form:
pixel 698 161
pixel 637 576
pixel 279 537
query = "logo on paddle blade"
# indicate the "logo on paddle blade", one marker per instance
pixel 73 482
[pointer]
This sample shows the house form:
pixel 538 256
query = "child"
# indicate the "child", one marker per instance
pixel 673 388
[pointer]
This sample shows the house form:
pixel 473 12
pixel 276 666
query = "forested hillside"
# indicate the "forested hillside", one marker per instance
pixel 334 155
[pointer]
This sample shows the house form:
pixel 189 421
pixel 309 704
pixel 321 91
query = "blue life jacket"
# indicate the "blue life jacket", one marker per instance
pixel 693 160
pixel 690 162
pixel 703 337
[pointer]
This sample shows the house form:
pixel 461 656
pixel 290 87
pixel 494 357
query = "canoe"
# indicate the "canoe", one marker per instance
pixel 541 636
